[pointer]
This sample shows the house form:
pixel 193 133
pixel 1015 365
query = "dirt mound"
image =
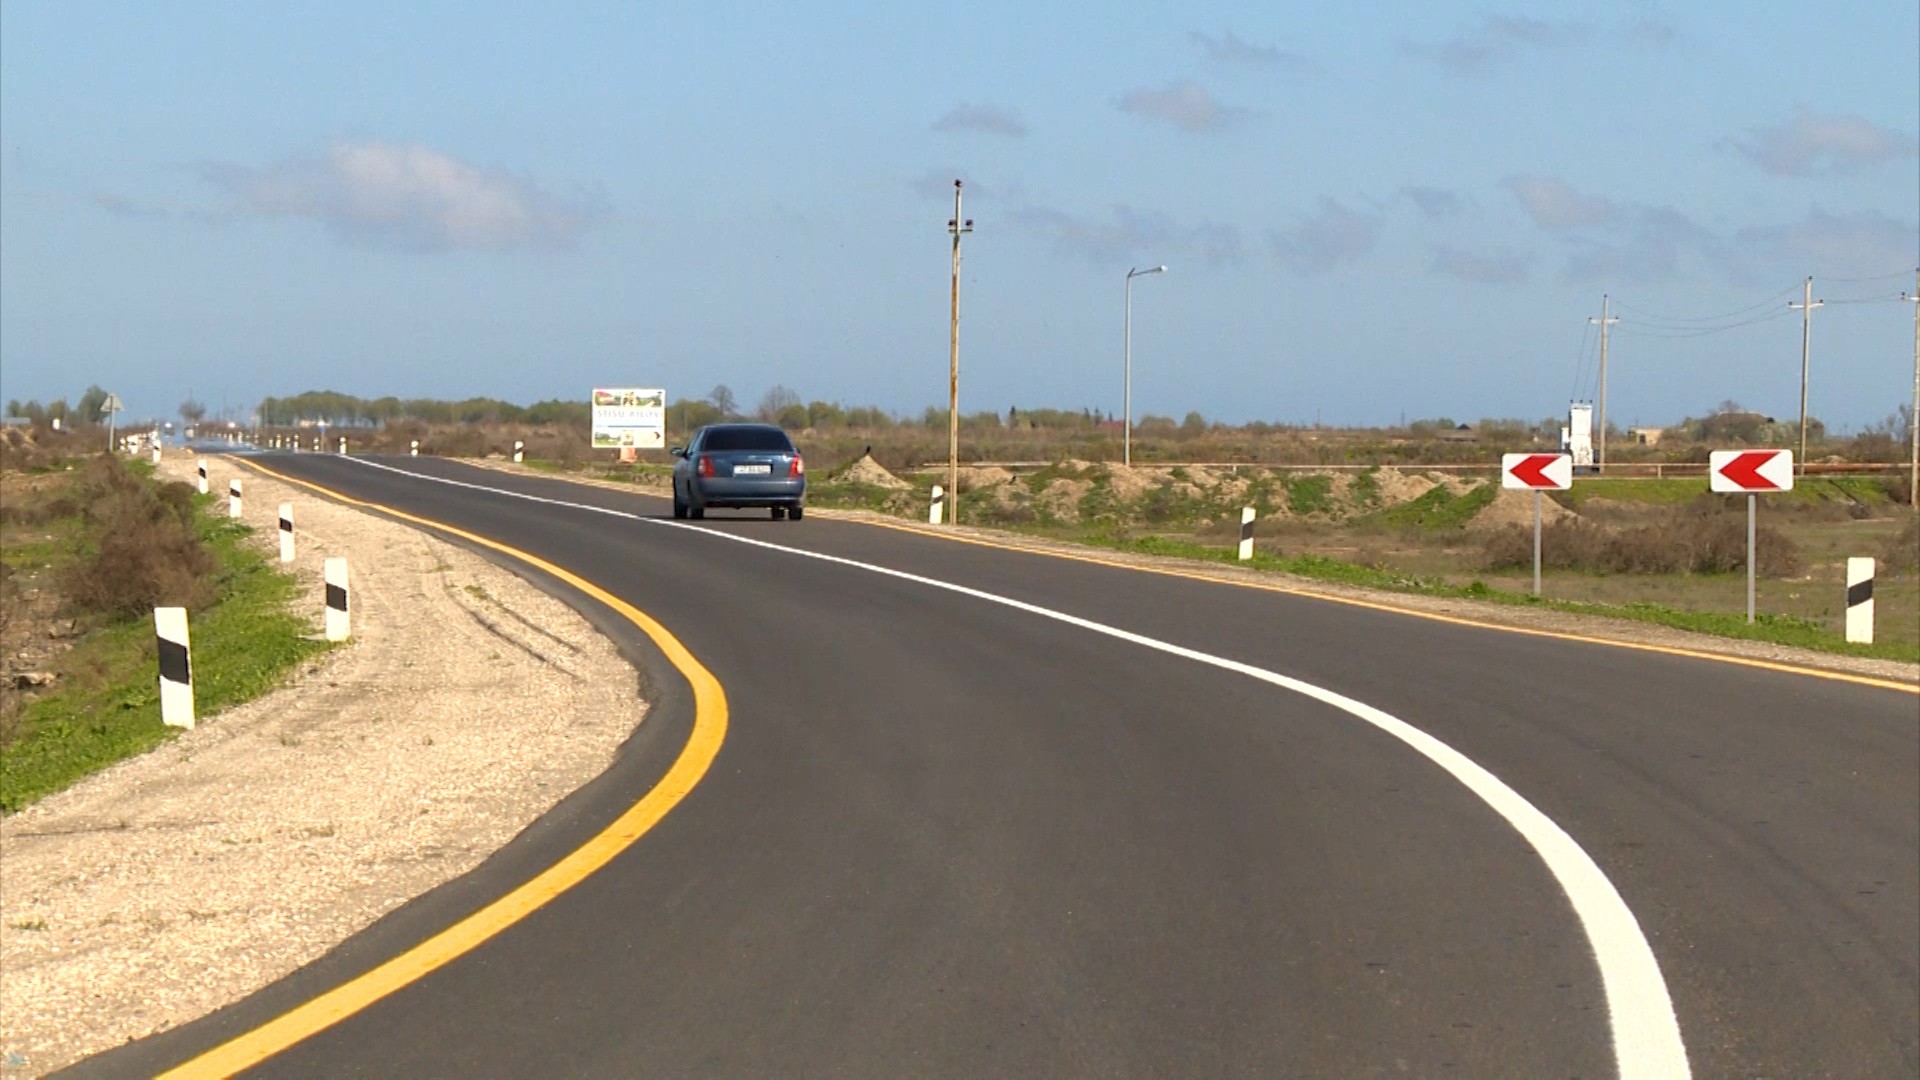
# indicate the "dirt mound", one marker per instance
pixel 1397 487
pixel 972 478
pixel 1130 484
pixel 1511 507
pixel 870 472
pixel 1061 498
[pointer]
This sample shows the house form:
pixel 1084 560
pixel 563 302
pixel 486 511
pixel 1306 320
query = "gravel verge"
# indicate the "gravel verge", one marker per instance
pixel 468 703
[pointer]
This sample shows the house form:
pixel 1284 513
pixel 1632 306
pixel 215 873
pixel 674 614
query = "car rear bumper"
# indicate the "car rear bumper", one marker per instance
pixel 731 492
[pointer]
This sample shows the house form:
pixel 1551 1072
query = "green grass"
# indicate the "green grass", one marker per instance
pixel 1364 492
pixel 851 495
pixel 1773 629
pixel 107 704
pixel 1310 493
pixel 1437 509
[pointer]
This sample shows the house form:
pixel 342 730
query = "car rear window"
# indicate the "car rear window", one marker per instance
pixel 746 439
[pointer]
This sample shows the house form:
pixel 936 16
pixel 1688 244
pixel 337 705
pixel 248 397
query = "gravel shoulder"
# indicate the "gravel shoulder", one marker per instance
pixel 468 703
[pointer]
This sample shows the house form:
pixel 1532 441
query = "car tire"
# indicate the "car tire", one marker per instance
pixel 696 511
pixel 794 513
pixel 776 512
pixel 679 504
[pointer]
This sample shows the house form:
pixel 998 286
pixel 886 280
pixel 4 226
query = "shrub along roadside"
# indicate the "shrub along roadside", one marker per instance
pixel 1773 629
pixel 107 706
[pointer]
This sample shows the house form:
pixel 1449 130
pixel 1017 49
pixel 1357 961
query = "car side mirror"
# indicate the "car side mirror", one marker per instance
pixel 677 451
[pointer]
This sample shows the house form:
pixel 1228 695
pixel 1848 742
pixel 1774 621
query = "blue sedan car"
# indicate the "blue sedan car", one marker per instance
pixel 739 465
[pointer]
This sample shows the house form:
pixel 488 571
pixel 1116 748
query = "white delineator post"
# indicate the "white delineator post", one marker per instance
pixel 233 498
pixel 1860 600
pixel 156 453
pixel 343 444
pixel 338 626
pixel 176 667
pixel 286 532
pixel 936 511
pixel 203 478
pixel 1246 533
pixel 519 451
pixel 414 448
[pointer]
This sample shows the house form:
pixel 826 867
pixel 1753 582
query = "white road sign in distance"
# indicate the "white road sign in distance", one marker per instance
pixel 1536 472
pixel 1750 472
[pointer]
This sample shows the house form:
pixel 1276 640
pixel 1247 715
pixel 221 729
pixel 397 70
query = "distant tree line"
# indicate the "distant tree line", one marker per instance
pixel 91 408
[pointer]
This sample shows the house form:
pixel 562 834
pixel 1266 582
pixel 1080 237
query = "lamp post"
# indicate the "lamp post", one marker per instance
pixel 1126 452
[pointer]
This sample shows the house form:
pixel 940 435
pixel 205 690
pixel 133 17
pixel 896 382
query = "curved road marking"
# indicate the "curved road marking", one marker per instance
pixel 703 745
pixel 1371 605
pixel 1435 616
pixel 1646 1032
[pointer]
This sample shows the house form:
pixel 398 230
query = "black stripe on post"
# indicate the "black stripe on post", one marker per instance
pixel 336 597
pixel 1246 530
pixel 1859 592
pixel 286 525
pixel 175 666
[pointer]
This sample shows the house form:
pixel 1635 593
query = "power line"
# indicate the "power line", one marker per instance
pixel 1677 332
pixel 1769 301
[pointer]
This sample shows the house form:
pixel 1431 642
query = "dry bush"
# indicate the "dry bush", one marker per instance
pixel 1903 551
pixel 142 550
pixel 456 442
pixel 1694 539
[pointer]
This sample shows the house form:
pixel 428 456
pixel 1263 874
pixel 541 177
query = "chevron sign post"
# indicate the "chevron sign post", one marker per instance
pixel 1750 472
pixel 1536 473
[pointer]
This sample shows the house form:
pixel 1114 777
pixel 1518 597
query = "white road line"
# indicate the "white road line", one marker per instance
pixel 1646 1032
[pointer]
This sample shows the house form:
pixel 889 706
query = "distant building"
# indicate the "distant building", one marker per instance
pixel 1645 436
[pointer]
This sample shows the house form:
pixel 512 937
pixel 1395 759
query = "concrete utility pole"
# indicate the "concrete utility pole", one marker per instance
pixel 1805 307
pixel 959 227
pixel 1600 460
pixel 1913 418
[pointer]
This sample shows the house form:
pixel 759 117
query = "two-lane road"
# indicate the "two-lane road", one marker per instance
pixel 983 812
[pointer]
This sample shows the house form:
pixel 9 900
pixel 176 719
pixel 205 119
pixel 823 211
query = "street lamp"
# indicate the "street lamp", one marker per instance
pixel 1126 453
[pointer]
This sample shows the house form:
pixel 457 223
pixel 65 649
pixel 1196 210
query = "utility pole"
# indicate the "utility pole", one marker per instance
pixel 1805 306
pixel 1913 418
pixel 959 227
pixel 1600 462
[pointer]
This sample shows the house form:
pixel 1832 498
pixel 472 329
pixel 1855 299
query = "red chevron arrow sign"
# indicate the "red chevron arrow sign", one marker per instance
pixel 1750 471
pixel 1536 472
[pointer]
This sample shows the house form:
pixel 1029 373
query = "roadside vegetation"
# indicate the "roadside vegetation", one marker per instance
pixel 90 544
pixel 1412 506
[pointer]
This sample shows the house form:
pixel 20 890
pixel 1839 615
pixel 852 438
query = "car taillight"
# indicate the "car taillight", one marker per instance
pixel 796 468
pixel 704 466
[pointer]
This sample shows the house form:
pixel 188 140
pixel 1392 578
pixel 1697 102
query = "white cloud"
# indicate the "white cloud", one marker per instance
pixel 1229 48
pixel 412 197
pixel 1130 234
pixel 1859 244
pixel 1434 202
pixel 1323 240
pixel 990 119
pixel 1811 144
pixel 1554 204
pixel 1502 268
pixel 1495 39
pixel 1185 105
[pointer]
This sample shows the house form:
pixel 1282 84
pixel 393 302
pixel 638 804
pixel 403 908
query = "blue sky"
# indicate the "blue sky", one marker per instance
pixel 1370 211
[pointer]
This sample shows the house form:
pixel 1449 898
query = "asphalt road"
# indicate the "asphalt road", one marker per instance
pixel 948 836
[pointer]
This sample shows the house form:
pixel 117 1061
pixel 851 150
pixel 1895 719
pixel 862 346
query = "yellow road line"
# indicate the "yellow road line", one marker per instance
pixel 1374 605
pixel 703 745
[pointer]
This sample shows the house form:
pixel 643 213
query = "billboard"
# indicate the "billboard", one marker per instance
pixel 629 418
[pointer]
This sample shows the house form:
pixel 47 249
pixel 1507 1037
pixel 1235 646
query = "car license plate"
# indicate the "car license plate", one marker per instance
pixel 749 470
